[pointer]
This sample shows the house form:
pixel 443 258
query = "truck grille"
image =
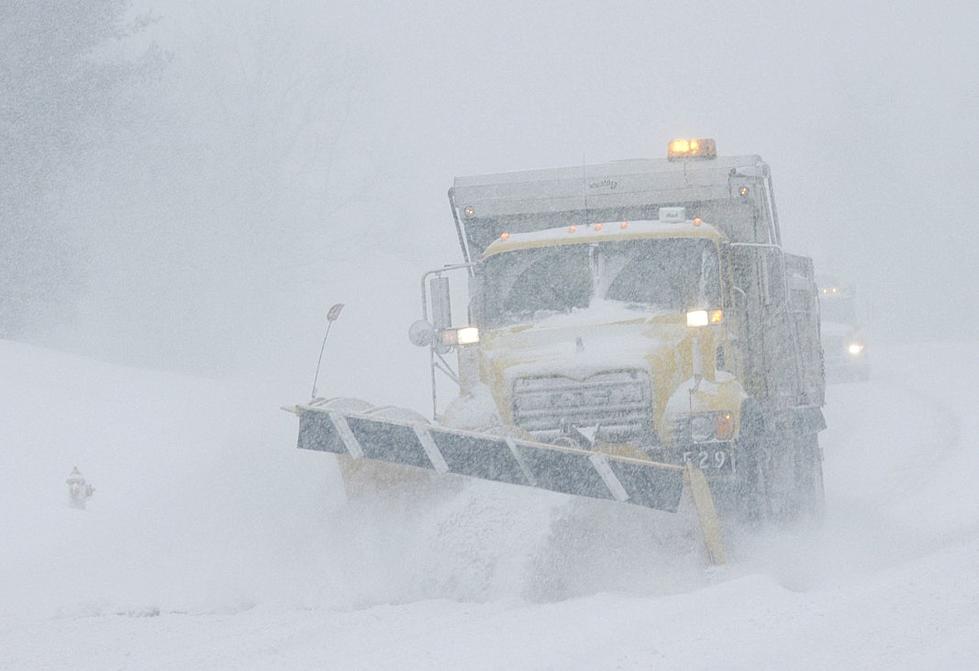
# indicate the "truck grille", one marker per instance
pixel 618 402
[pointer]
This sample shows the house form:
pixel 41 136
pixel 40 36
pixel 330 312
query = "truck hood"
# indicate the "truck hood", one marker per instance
pixel 583 343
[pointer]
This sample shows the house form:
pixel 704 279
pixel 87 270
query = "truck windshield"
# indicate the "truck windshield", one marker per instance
pixel 645 275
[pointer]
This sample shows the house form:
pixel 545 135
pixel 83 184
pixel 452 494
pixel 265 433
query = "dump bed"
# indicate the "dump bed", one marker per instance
pixel 733 193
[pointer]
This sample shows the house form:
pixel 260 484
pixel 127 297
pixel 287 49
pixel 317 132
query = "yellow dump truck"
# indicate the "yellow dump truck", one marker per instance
pixel 628 327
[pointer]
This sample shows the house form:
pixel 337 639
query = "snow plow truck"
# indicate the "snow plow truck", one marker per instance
pixel 633 331
pixel 841 328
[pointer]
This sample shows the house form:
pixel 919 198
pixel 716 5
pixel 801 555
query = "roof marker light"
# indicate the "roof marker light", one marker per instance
pixel 572 228
pixel 697 221
pixel 504 236
pixel 624 225
pixel 598 227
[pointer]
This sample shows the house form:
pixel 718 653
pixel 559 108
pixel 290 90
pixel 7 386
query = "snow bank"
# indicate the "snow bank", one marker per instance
pixel 203 504
pixel 190 510
pixel 212 542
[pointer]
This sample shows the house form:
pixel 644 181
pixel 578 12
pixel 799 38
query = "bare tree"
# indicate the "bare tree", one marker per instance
pixel 225 194
pixel 56 94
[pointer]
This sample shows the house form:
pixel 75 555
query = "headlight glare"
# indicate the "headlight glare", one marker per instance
pixel 697 318
pixel 468 335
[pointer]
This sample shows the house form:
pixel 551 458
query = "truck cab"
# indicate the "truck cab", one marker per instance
pixel 579 322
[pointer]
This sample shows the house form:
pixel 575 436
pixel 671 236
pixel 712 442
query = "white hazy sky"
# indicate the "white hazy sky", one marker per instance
pixel 865 111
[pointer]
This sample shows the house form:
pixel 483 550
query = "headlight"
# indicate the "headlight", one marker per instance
pixel 704 317
pixel 697 318
pixel 707 426
pixel 467 335
pixel 701 428
pixel 855 348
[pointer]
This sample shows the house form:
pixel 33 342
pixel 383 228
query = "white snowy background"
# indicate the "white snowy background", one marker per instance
pixel 211 544
pixel 287 156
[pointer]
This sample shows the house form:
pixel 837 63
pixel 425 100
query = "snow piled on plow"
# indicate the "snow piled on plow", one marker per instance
pixel 211 542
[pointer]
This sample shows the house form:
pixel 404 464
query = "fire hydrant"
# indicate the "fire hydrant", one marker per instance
pixel 79 491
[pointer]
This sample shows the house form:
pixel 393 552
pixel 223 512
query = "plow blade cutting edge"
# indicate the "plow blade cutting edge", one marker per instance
pixel 518 462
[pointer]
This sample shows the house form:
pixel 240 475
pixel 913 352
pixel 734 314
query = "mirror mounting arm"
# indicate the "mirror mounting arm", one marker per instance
pixel 437 272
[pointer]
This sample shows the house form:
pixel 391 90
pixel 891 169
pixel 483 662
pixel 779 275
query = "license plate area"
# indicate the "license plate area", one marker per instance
pixel 712 459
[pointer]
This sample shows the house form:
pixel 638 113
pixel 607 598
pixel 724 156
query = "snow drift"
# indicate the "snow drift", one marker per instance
pixel 212 542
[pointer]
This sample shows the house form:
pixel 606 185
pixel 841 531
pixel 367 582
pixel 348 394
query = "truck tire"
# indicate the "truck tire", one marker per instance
pixel 809 498
pixel 751 493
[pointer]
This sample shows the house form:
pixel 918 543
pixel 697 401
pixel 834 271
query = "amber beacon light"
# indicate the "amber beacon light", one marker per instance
pixel 702 148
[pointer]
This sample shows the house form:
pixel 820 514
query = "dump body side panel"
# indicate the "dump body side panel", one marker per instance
pixel 486 206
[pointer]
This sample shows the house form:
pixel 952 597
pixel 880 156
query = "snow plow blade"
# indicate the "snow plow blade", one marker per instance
pixel 489 457
pixel 364 434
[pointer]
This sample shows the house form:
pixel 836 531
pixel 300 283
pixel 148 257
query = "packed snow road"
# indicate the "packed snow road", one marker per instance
pixel 211 543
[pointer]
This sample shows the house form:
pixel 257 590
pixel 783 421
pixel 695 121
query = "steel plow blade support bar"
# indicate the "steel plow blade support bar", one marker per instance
pixel 488 457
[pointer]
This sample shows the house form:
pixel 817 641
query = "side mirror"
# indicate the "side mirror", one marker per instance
pixel 441 303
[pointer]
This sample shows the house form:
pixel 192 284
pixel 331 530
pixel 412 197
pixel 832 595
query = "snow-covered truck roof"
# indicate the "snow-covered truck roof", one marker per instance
pixel 733 192
pixel 602 232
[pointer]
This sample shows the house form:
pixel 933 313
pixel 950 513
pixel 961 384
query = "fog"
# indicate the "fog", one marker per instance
pixel 185 190
pixel 277 158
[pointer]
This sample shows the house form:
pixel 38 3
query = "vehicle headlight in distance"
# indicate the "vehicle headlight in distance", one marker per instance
pixel 855 348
